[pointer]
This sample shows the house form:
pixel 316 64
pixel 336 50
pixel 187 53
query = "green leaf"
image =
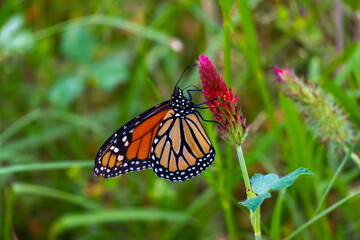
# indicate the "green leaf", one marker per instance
pixel 66 90
pixel 13 39
pixel 255 202
pixel 289 179
pixel 11 28
pixel 110 73
pixel 78 44
pixel 263 183
pixel 226 6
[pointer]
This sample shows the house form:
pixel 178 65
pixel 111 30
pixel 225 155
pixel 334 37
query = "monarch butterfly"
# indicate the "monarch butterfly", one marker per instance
pixel 168 138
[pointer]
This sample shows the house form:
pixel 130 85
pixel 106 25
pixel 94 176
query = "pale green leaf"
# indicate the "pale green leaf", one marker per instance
pixel 13 39
pixel 66 90
pixel 289 179
pixel 77 43
pixel 255 202
pixel 110 72
pixel 263 183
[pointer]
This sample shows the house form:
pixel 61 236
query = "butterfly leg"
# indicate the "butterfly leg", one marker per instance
pixel 198 113
pixel 205 102
pixel 192 90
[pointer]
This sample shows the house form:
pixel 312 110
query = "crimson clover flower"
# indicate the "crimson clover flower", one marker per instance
pixel 321 113
pixel 221 103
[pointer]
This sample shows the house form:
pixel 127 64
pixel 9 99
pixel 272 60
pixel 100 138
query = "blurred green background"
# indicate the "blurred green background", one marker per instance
pixel 72 72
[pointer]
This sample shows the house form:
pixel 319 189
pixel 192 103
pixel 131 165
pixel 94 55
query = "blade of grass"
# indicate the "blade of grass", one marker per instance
pixel 193 209
pixel 67 222
pixel 6 8
pixel 48 133
pixel 155 90
pixel 34 141
pixel 322 214
pixel 2 208
pixel 300 153
pixel 224 187
pixel 21 123
pixel 253 57
pixel 296 217
pixel 116 22
pixel 353 156
pixel 349 105
pixel 46 166
pixel 275 229
pixel 349 52
pixel 338 170
pixel 24 188
pixel 225 9
pixel 9 203
pixel 37 114
pixel 252 54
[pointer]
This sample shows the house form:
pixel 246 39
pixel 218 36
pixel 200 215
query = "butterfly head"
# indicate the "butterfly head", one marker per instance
pixel 177 92
pixel 180 104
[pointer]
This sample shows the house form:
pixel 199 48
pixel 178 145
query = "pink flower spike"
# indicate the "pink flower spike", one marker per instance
pixel 226 113
pixel 280 75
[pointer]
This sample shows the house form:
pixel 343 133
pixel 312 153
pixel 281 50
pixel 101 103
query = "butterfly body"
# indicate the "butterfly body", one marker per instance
pixel 168 138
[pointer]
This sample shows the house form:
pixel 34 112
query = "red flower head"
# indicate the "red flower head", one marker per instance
pixel 221 103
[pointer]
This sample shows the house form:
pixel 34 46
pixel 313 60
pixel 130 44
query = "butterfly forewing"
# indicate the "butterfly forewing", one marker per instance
pixel 128 149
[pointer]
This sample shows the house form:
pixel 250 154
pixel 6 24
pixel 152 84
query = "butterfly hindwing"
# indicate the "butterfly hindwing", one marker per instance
pixel 128 149
pixel 181 148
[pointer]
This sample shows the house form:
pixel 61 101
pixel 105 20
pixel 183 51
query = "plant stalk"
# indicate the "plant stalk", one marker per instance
pixel 255 217
pixel 349 153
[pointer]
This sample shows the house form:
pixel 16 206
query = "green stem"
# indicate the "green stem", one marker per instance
pixel 338 170
pixel 255 217
pixel 244 172
pixel 354 157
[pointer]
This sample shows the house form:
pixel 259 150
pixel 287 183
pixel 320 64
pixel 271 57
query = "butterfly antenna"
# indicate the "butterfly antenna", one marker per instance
pixel 187 69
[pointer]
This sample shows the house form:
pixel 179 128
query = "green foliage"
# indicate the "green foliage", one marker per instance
pixel 255 202
pixel 71 74
pixel 78 44
pixel 71 221
pixel 14 39
pixel 110 72
pixel 66 89
pixel 271 182
pixel 263 184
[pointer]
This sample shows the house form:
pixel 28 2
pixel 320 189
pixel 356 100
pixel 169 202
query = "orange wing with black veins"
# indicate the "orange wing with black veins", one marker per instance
pixel 128 149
